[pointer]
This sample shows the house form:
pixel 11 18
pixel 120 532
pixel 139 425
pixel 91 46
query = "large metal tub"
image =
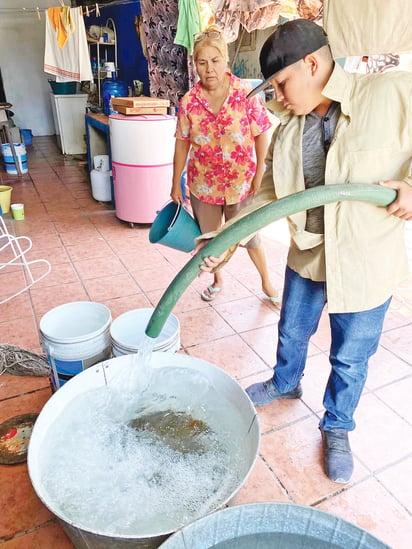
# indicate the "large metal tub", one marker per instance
pixel 272 526
pixel 100 375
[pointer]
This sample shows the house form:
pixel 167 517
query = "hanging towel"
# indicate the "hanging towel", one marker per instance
pixel 72 62
pixel 55 17
pixel 188 24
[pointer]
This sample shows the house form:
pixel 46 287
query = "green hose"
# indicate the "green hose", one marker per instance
pixel 253 222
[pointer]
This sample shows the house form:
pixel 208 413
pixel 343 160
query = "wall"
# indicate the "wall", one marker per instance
pixel 131 61
pixel 22 38
pixel 21 61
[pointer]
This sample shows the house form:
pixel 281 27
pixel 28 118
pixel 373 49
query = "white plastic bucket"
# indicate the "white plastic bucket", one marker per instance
pixel 102 375
pixel 101 188
pixel 9 163
pixel 128 330
pixel 101 162
pixel 75 336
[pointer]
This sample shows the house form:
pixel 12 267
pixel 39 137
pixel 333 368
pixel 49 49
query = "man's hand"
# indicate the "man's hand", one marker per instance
pixel 402 206
pixel 211 263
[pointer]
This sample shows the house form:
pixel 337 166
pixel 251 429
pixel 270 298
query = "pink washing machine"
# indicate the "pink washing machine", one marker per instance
pixel 142 162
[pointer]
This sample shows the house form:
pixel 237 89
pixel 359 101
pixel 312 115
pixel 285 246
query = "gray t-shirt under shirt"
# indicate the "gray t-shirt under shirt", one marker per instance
pixel 317 135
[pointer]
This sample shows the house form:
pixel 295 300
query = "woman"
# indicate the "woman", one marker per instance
pixel 226 135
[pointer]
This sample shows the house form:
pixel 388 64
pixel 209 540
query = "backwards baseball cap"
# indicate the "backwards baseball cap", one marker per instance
pixel 290 42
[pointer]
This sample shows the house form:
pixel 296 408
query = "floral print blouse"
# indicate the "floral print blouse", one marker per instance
pixel 222 158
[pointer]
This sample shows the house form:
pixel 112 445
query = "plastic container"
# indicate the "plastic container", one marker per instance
pixel 101 187
pixel 8 158
pixel 128 331
pixel 100 376
pixel 174 227
pixel 272 526
pixel 63 88
pixel 101 162
pixel 26 136
pixel 75 336
pixel 5 198
pixel 112 88
pixel 142 163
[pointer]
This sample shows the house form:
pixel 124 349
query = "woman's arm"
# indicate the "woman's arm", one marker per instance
pixel 261 147
pixel 179 160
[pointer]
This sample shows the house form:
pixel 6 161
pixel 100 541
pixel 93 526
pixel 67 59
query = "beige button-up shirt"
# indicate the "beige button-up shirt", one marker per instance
pixel 362 255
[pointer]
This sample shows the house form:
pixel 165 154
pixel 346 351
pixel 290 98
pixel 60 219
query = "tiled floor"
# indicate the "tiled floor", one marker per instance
pixel 97 257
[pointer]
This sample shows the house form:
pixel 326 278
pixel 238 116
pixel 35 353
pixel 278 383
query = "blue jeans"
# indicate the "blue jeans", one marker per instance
pixel 355 338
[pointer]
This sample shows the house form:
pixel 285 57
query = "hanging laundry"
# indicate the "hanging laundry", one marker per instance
pixel 188 24
pixel 56 21
pixel 72 61
pixel 368 27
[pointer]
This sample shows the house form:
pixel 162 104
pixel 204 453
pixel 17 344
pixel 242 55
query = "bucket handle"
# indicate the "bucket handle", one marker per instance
pixel 179 207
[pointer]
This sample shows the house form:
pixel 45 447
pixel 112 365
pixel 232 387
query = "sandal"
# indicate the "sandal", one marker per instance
pixel 277 299
pixel 213 291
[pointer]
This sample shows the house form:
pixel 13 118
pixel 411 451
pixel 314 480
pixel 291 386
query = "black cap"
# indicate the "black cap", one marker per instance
pixel 289 43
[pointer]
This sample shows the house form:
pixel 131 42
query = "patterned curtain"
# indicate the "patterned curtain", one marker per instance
pixel 167 62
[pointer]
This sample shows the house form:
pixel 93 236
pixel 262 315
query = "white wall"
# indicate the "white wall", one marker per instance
pixel 22 38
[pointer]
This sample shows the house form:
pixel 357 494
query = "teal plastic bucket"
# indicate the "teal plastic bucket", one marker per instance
pixel 272 526
pixel 174 227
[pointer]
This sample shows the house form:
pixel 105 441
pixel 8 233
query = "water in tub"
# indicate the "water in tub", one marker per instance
pixel 147 454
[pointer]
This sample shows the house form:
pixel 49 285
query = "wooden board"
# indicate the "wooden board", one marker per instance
pixel 134 102
pixel 139 110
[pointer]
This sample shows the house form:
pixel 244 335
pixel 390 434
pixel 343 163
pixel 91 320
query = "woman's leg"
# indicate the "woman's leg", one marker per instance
pixel 209 218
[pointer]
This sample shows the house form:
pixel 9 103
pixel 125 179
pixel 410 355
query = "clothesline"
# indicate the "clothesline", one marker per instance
pixel 87 10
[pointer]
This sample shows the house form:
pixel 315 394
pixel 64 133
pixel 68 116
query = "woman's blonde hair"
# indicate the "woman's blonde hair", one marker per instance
pixel 211 36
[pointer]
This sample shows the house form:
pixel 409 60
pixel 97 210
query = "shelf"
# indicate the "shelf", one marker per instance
pixel 101 50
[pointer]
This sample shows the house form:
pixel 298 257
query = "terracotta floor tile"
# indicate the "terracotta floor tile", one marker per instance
pixel 89 249
pixel 372 508
pixel 247 314
pixel 399 342
pixel 16 307
pixel 261 486
pixel 58 295
pixel 121 305
pixel 99 267
pixel 202 325
pixel 51 535
pixel 111 287
pixel 231 354
pixel 156 278
pixel 13 385
pixel 21 332
pixel 25 403
pixel 189 300
pixel 280 412
pixel 398 397
pixel 381 437
pixel 398 481
pixel 22 510
pixel 385 367
pixel 294 455
pixel 60 275
pixel 314 382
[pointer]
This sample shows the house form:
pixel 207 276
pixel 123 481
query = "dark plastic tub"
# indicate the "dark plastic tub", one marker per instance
pixel 63 88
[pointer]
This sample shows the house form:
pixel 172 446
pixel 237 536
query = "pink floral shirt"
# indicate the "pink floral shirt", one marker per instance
pixel 222 158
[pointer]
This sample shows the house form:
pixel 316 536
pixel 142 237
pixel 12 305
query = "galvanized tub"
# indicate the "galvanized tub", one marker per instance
pixel 101 375
pixel 272 526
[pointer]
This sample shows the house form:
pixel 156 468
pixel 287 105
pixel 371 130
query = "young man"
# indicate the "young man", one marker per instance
pixel 334 128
